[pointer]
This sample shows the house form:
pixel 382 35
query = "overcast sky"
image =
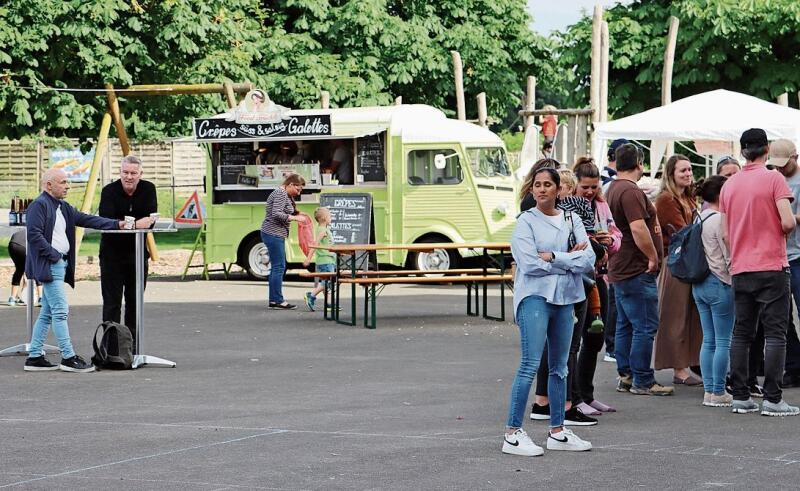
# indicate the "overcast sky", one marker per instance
pixel 550 15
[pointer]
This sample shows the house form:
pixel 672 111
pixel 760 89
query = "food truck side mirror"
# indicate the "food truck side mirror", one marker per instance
pixel 439 161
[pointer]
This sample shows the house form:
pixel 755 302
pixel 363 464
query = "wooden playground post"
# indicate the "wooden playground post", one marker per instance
pixel 603 116
pixel 594 86
pixel 458 72
pixel 481 98
pixel 91 184
pixel 230 96
pixel 783 99
pixel 666 76
pixel 530 101
pixel 122 135
pixel 669 59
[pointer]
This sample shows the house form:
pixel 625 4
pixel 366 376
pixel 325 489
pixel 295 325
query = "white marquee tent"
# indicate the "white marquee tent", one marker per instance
pixel 719 115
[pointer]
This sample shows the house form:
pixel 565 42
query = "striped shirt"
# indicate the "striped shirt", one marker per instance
pixel 582 208
pixel 278 208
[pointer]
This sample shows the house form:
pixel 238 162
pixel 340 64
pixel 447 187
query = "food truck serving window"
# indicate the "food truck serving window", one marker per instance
pixel 488 162
pixel 422 171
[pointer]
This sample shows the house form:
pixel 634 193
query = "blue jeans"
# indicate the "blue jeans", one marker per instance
pixel 277 260
pixel 55 312
pixel 792 342
pixel 637 323
pixel 541 322
pixel 714 300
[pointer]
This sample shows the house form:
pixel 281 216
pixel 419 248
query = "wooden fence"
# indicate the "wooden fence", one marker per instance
pixel 23 161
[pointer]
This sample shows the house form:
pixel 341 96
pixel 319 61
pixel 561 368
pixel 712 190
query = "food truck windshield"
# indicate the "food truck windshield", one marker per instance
pixel 488 162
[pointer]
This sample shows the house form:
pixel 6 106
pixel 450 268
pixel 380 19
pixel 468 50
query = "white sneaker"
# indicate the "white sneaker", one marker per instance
pixel 567 440
pixel 519 443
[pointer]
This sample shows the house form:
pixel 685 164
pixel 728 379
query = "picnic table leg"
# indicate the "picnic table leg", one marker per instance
pixel 336 293
pixel 353 290
pixel 502 286
pixel 470 287
pixel 325 287
pixel 374 322
pixel 502 265
pixel 485 286
pixel 366 305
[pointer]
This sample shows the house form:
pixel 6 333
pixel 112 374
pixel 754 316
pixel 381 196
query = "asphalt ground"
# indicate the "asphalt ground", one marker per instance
pixel 284 400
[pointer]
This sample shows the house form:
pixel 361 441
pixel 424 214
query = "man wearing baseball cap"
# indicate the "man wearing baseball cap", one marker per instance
pixel 756 216
pixel 609 172
pixel 783 158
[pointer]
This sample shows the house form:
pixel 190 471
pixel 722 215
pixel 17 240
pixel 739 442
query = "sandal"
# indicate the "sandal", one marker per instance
pixel 588 410
pixel 690 381
pixel 605 408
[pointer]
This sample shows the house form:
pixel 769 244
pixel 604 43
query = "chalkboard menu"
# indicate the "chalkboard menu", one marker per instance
pixel 351 221
pixel 236 154
pixel 370 152
pixel 229 174
pixel 351 216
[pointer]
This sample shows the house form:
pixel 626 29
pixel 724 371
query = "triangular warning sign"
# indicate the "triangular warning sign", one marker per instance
pixel 191 212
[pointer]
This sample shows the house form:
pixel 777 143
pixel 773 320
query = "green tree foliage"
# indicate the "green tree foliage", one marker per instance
pixel 748 46
pixel 87 44
pixel 364 52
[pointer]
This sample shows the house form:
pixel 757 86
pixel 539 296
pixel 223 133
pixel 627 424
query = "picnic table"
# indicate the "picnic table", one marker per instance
pixel 491 271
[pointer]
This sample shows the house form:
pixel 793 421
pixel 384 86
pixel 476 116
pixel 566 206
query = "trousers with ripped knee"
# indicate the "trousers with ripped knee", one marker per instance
pixel 539 323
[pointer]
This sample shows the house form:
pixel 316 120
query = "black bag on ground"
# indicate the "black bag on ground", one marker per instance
pixel 115 351
pixel 687 257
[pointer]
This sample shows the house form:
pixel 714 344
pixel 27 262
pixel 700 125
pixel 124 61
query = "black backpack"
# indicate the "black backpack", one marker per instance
pixel 687 257
pixel 115 351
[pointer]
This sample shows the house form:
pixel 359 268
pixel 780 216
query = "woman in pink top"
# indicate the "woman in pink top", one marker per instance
pixel 588 187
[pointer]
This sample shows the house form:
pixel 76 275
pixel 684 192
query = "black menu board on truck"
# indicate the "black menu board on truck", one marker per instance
pixel 351 221
pixel 371 153
pixel 232 159
pixel 236 153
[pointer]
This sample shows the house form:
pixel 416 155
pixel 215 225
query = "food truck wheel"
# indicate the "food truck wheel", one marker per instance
pixel 256 259
pixel 438 260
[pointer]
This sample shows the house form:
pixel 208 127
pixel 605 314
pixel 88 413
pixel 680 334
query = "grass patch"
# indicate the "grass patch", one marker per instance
pixel 182 239
pixel 76 192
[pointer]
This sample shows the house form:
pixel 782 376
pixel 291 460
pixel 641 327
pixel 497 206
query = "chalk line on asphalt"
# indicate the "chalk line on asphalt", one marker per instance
pixel 142 457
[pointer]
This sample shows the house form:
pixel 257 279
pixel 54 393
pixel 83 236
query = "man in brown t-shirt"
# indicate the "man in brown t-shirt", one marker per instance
pixel 632 270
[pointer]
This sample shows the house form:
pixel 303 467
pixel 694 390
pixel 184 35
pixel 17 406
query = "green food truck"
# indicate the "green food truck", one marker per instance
pixel 431 179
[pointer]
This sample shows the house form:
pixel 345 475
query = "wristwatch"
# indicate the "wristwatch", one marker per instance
pixel 552 257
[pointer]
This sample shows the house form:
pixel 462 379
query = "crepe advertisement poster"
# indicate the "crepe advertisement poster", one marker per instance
pixel 73 162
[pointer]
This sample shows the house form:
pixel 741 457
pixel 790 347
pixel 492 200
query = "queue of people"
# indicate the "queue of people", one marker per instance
pixel 576 236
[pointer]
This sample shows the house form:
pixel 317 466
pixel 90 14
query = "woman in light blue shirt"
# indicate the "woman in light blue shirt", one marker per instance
pixel 550 248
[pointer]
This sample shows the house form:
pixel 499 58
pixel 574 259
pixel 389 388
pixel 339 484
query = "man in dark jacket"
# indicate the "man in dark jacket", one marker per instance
pixel 127 196
pixel 51 261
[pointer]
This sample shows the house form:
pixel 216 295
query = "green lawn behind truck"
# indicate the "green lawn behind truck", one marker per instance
pixel 182 239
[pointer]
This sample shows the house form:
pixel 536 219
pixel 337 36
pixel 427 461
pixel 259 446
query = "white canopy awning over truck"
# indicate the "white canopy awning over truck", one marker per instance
pixel 719 115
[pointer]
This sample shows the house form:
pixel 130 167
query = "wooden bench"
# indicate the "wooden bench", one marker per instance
pixel 492 271
pixel 370 279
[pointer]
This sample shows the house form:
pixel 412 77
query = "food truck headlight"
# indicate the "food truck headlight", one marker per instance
pixel 502 208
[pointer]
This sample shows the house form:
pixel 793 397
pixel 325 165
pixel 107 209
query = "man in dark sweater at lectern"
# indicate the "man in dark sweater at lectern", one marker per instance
pixel 133 197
